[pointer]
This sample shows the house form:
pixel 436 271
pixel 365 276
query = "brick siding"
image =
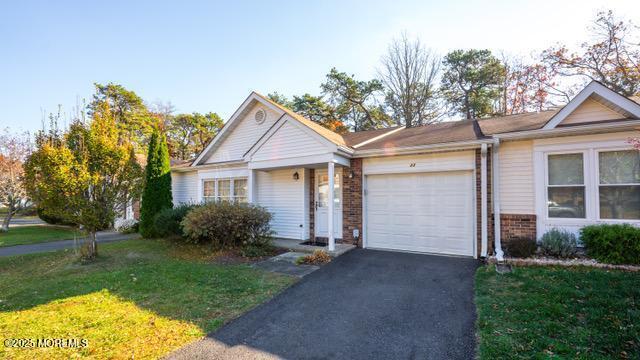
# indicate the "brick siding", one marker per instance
pixel 312 203
pixel 352 202
pixel 514 226
pixel 479 203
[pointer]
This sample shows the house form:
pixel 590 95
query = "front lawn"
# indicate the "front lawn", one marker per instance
pixel 21 235
pixel 543 312
pixel 140 299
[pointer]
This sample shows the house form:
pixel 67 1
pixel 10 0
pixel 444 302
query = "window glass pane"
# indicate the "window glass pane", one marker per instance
pixel 566 169
pixel 566 202
pixel 224 190
pixel 620 202
pixel 323 190
pixel 619 167
pixel 336 191
pixel 240 189
pixel 209 188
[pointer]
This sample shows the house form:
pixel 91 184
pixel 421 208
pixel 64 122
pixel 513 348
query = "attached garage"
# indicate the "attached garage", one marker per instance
pixel 429 207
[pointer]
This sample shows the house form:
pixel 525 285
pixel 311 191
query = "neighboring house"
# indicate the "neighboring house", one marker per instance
pixel 439 188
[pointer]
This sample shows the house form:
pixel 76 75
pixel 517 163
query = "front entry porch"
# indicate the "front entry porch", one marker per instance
pixel 305 201
pixel 299 246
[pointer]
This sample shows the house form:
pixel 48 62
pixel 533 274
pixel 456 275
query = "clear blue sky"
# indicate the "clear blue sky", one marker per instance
pixel 207 56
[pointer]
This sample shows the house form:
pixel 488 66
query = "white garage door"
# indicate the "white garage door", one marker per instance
pixel 424 212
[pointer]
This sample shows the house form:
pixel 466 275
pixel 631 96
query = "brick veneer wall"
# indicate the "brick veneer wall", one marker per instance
pixel 352 202
pixel 312 204
pixel 479 203
pixel 514 226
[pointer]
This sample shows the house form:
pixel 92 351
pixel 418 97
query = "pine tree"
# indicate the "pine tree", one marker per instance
pixel 157 190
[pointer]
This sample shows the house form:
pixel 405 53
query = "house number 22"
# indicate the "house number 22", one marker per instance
pixel 412 165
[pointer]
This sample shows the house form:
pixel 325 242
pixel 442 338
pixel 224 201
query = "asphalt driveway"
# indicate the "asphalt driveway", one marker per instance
pixel 366 304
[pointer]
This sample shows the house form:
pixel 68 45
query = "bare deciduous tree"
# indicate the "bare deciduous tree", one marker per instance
pixel 410 74
pixel 14 149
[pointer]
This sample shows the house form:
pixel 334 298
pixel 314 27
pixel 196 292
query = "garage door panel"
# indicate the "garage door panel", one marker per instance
pixel 423 212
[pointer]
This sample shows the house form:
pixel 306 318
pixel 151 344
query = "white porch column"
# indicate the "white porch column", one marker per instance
pixel 252 196
pixel 331 174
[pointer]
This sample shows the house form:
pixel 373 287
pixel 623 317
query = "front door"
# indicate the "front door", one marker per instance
pixel 322 204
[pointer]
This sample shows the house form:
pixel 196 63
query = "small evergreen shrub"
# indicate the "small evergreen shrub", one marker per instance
pixel 612 243
pixel 168 221
pixel 226 225
pixel 558 243
pixel 318 257
pixel 521 247
pixel 156 194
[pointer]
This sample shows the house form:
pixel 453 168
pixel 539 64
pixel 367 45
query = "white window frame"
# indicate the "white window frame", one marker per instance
pixel 584 154
pixel 598 184
pixel 216 197
pixel 590 145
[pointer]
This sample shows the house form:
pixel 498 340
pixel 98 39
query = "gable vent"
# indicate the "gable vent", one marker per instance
pixel 260 116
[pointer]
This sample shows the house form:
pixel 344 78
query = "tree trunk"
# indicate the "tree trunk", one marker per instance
pixel 6 221
pixel 90 246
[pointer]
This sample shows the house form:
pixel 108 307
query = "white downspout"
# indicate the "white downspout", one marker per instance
pixel 496 200
pixel 483 200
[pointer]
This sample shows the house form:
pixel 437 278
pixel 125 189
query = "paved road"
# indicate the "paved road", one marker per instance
pixel 102 237
pixel 366 304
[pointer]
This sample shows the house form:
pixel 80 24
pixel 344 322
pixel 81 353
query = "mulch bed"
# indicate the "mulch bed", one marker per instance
pixel 233 257
pixel 544 261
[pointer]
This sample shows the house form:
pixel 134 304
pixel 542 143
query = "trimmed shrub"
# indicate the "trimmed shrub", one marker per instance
pixel 167 221
pixel 156 195
pixel 612 243
pixel 521 247
pixel 53 220
pixel 225 225
pixel 558 243
pixel 255 250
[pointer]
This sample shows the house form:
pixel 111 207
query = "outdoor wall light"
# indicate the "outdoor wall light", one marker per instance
pixel 351 174
pixel 296 176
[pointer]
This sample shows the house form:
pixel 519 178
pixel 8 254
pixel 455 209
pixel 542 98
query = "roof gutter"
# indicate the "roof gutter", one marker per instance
pixel 209 166
pixel 458 145
pixel 569 130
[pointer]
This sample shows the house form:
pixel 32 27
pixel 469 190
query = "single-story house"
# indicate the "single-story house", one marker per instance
pixel 455 188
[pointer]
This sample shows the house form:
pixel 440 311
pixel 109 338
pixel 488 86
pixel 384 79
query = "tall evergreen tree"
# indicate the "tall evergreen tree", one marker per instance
pixel 157 190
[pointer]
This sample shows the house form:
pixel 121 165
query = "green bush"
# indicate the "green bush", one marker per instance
pixel 53 220
pixel 167 221
pixel 612 243
pixel 224 225
pixel 521 247
pixel 255 250
pixel 558 243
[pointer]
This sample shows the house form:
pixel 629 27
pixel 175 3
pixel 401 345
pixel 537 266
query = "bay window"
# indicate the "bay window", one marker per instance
pixel 619 184
pixel 566 186
pixel 234 189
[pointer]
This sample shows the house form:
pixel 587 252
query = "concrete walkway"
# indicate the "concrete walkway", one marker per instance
pixel 102 237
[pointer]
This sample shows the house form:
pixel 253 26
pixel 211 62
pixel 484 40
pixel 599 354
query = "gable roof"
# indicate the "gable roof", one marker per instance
pixel 628 108
pixel 335 138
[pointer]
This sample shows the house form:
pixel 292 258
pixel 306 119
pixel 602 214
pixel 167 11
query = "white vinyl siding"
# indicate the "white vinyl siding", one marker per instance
pixel 243 136
pixel 591 110
pixel 184 187
pixel 290 140
pixel 284 197
pixel 517 195
pixel 449 161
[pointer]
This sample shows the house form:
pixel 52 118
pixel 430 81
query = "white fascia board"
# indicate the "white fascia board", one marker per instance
pixel 218 165
pixel 570 130
pixel 299 161
pixel 452 146
pixel 593 88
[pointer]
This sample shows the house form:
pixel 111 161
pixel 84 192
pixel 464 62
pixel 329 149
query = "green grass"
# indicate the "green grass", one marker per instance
pixel 141 298
pixel 558 313
pixel 21 235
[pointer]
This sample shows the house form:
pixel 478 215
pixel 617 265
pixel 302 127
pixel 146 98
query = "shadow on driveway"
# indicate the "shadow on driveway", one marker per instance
pixel 366 304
